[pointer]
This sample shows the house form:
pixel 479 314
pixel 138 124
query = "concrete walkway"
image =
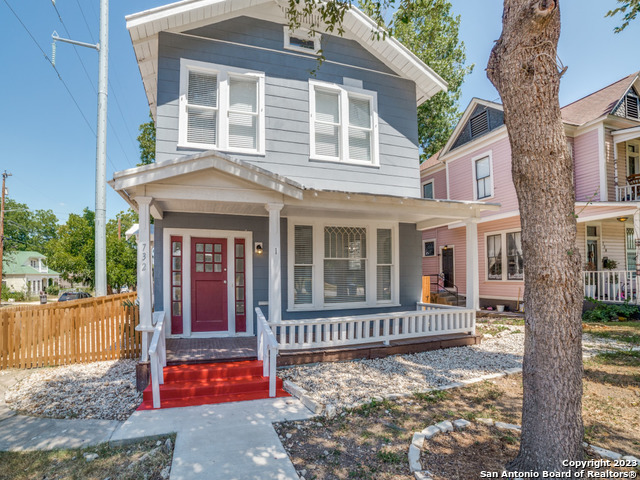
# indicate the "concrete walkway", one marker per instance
pixel 229 441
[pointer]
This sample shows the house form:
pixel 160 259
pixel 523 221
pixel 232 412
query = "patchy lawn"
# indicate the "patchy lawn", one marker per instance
pixel 150 460
pixel 371 442
pixel 624 332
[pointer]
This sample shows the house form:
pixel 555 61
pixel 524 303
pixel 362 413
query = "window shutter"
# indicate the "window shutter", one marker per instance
pixel 327 124
pixel 243 113
pixel 345 264
pixel 303 265
pixel 202 105
pixel 359 129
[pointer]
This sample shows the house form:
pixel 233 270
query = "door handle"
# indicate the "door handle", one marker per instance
pixel 225 281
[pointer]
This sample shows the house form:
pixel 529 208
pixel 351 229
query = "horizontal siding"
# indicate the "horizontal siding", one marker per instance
pixel 461 184
pixel 452 238
pixel 439 183
pixel 287 104
pixel 586 167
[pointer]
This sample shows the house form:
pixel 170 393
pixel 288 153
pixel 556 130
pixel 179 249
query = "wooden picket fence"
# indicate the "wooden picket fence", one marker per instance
pixel 77 331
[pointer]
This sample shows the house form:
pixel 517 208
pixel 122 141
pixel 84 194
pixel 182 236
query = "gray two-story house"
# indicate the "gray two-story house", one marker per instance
pixel 280 184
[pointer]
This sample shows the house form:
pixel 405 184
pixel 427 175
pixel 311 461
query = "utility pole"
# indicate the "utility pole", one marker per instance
pixel 4 189
pixel 100 274
pixel 101 155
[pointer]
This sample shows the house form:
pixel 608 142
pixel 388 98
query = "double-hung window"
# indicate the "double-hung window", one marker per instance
pixel 335 265
pixel 482 171
pixel 344 123
pixel 221 108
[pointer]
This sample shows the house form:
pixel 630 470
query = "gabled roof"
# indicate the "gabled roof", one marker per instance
pixel 432 161
pixel 189 14
pixel 600 103
pixel 17 263
pixel 465 118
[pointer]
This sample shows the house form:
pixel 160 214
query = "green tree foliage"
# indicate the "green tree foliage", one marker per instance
pixel 629 10
pixel 27 230
pixel 430 30
pixel 121 253
pixel 147 142
pixel 71 252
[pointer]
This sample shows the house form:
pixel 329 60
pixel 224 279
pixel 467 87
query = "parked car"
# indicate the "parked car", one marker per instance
pixel 73 296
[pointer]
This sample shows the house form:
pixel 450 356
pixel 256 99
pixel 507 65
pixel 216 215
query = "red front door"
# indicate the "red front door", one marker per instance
pixel 209 285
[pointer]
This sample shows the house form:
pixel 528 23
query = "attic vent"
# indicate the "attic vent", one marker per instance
pixel 631 105
pixel 301 40
pixel 479 124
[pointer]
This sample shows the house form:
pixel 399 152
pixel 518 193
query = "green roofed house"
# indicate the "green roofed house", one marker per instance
pixel 27 272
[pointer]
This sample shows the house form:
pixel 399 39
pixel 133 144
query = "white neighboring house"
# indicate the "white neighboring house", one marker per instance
pixel 27 272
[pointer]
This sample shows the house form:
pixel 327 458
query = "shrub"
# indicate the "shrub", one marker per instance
pixel 53 289
pixel 17 296
pixel 604 312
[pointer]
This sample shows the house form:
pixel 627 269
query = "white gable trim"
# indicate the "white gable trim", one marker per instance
pixel 189 14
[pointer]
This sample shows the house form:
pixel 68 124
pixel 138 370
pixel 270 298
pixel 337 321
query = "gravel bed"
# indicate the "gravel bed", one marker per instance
pixel 344 384
pixel 99 390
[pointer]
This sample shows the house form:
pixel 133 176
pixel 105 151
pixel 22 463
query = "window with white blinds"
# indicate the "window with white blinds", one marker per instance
pixel 221 108
pixel 482 168
pixel 303 265
pixel 345 264
pixel 343 122
pixel 340 265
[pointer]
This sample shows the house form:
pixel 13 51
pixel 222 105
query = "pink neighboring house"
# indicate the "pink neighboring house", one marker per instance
pixel 603 133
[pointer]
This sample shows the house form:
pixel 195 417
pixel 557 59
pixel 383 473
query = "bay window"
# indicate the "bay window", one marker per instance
pixel 221 108
pixel 343 123
pixel 334 265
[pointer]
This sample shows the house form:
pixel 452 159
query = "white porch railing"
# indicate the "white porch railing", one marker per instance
pixel 428 320
pixel 157 356
pixel 628 193
pixel 611 285
pixel 267 351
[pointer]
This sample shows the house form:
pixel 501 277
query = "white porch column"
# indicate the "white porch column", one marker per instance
pixel 473 276
pixel 275 274
pixel 636 236
pixel 144 274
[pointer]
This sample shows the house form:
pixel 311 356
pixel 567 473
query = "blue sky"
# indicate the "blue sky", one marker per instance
pixel 50 148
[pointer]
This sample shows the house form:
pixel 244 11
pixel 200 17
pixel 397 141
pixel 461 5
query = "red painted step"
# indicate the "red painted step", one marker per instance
pixel 203 384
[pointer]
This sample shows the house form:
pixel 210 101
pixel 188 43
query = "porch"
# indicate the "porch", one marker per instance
pixel 626 151
pixel 611 286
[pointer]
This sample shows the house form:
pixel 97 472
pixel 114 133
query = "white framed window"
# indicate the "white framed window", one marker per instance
pixel 427 189
pixel 342 264
pixel 221 108
pixel 343 123
pixel 301 40
pixel 504 258
pixel 429 248
pixel 482 167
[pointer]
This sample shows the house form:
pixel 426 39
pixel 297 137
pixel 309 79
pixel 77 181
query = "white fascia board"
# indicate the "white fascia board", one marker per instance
pixel 625 135
pixel 170 168
pixel 477 144
pixel 609 215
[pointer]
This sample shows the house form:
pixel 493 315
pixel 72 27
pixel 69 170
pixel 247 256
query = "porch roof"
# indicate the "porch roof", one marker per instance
pixel 211 182
pixel 626 134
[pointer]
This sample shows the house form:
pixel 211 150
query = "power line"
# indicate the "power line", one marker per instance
pixel 85 21
pixel 90 80
pixel 57 72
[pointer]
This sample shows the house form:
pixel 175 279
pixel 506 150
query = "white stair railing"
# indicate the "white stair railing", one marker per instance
pixel 267 351
pixel 157 356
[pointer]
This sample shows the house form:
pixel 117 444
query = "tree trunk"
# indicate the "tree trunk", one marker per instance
pixel 523 68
